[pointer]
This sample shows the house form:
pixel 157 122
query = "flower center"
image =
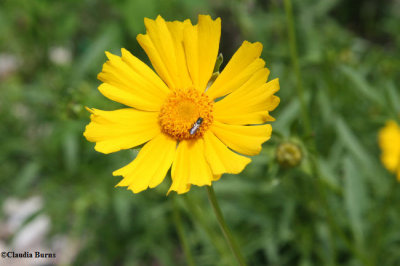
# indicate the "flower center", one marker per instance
pixel 186 114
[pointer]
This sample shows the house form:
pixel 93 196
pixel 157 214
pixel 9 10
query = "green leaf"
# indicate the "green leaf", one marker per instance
pixel 353 144
pixel 361 85
pixel 355 198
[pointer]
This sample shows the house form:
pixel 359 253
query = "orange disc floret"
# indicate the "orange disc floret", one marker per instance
pixel 182 109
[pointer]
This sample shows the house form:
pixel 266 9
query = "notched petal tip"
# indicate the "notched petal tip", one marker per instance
pixel 117 173
pixel 179 191
pixel 269 118
pixel 124 51
pixel 208 17
pixel 216 177
pixel 99 147
pixel 202 16
pixel 109 55
pixel 100 76
pixel 261 64
pixel 147 20
pixel 85 134
pixel 141 38
pixel 122 183
pixel 274 84
pixel 246 161
pixel 257 46
pixel 276 100
pixel 160 18
pixel 150 23
pixel 136 190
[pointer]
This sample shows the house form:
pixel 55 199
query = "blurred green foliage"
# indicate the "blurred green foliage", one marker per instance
pixel 349 58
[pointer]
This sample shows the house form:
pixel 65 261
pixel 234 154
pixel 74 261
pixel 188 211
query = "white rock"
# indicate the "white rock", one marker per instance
pixel 60 55
pixel 33 233
pixel 8 64
pixel 20 210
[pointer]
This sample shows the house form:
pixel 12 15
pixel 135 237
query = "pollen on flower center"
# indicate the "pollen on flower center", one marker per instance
pixel 182 110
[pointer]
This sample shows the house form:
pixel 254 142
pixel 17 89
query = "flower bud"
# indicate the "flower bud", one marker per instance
pixel 288 154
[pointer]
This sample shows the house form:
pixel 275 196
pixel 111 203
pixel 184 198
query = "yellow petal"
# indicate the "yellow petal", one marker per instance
pixel 389 142
pixel 129 81
pixel 390 160
pixel 201 43
pixel 121 129
pixel 176 29
pixel 190 166
pixel 148 77
pixel 249 104
pixel 191 46
pixel 244 63
pixel 122 96
pixel 150 166
pixel 163 45
pixel 182 54
pixel 220 158
pixel 216 177
pixel 209 34
pixel 243 139
pixel 247 118
pixel 251 86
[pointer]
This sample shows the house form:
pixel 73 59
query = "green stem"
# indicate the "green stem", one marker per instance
pixel 181 233
pixel 224 227
pixel 296 66
pixel 204 223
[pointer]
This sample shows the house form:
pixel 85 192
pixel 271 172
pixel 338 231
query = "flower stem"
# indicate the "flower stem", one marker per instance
pixel 224 227
pixel 181 233
pixel 296 66
pixel 205 224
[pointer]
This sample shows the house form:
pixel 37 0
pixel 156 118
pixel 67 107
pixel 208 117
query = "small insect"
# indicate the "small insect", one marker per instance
pixel 196 126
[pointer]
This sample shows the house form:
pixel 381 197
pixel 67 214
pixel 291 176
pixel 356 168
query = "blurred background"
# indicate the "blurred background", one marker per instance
pixel 337 206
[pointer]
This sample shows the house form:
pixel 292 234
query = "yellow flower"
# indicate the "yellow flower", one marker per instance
pixel 389 141
pixel 177 114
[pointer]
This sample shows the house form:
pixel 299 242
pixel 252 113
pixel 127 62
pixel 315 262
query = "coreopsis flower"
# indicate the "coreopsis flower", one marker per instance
pixel 389 142
pixel 199 130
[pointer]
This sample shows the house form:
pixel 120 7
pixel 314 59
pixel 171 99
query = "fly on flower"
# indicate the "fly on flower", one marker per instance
pixel 179 122
pixel 196 126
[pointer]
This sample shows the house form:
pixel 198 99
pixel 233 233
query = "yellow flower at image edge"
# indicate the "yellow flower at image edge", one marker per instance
pixel 389 142
pixel 176 114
